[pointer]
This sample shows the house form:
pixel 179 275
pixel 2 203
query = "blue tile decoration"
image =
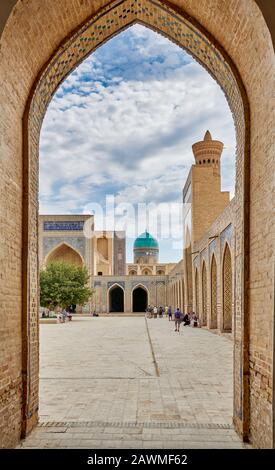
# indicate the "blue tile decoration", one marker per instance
pixel 63 226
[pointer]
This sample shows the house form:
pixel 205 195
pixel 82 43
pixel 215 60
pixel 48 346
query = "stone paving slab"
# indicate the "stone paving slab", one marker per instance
pixel 100 387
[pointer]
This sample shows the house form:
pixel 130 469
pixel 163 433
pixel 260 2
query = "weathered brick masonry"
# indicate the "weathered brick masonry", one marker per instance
pixel 231 39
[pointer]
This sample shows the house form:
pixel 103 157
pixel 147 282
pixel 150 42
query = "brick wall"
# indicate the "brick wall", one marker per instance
pixel 32 34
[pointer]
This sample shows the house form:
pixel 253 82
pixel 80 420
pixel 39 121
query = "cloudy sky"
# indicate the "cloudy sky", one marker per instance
pixel 122 125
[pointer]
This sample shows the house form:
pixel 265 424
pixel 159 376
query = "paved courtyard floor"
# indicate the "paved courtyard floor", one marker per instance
pixel 134 383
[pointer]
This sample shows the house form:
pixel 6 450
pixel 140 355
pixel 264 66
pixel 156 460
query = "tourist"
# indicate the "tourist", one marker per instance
pixel 178 318
pixel 170 313
pixel 166 311
pixel 186 319
pixel 160 311
pixel 155 311
pixel 194 319
pixel 59 318
pixel 150 311
pixel 64 315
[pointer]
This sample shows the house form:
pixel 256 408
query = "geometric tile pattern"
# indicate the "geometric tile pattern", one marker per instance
pixel 227 290
pixel 204 295
pixel 214 310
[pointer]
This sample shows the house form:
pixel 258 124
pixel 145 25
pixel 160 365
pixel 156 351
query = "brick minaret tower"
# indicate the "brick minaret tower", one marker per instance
pixel 208 152
pixel 203 186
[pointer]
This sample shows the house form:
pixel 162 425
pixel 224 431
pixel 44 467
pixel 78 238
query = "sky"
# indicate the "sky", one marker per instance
pixel 122 125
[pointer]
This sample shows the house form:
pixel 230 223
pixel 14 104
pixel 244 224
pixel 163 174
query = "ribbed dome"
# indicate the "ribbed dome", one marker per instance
pixel 145 240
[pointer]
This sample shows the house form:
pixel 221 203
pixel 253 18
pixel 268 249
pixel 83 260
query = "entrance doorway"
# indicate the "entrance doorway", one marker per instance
pixel 116 299
pixel 140 299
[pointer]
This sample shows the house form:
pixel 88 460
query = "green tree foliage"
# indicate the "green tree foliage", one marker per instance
pixel 63 284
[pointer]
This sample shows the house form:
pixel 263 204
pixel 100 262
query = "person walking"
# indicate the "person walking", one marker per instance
pixel 64 315
pixel 155 311
pixel 166 311
pixel 170 313
pixel 177 317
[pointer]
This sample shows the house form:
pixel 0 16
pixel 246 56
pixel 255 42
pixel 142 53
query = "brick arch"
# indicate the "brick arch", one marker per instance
pixel 214 299
pixel 144 288
pixel 65 253
pixel 197 291
pixel 182 295
pixel 146 271
pixel 254 58
pixel 227 289
pixel 113 287
pixel 204 297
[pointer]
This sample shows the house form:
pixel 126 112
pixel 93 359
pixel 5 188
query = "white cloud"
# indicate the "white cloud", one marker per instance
pixel 124 122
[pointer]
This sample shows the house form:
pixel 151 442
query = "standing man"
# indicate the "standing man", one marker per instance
pixel 177 317
pixel 170 313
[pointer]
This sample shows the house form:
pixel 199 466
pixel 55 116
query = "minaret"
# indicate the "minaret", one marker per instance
pixel 208 152
pixel 203 187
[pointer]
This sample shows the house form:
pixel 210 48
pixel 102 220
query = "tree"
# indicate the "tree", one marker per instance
pixel 63 284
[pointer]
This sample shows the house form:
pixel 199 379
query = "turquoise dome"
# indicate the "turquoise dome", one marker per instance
pixel 145 240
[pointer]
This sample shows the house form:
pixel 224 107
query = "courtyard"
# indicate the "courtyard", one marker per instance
pixel 127 382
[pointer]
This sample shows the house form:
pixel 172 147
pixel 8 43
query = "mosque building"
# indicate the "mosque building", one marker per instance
pixel 202 281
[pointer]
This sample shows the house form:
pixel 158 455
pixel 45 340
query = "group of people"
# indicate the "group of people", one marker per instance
pixel 64 316
pixel 155 312
pixel 189 319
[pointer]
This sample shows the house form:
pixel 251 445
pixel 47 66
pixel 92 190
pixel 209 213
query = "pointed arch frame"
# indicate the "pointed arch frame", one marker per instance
pixel 115 285
pixel 62 243
pixel 179 27
pixel 225 248
pixel 212 261
pixel 137 286
pixel 204 294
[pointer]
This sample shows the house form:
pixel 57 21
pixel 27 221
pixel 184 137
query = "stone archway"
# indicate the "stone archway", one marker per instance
pixel 116 299
pixel 204 294
pixel 139 299
pixel 214 306
pixel 65 254
pixel 197 298
pixel 183 295
pixel 227 289
pixel 250 87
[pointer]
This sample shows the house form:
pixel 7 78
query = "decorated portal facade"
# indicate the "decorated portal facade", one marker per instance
pixel 203 280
